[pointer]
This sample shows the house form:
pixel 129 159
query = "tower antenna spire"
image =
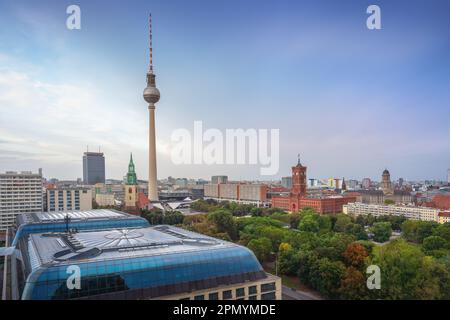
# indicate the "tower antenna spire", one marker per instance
pixel 150 69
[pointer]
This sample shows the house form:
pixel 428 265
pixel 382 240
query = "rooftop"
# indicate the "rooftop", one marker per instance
pixel 49 217
pixel 91 246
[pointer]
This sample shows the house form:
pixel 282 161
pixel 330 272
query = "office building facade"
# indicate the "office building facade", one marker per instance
pixel 93 168
pixel 219 179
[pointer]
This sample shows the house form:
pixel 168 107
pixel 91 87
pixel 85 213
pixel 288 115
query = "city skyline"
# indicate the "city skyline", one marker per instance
pixel 350 100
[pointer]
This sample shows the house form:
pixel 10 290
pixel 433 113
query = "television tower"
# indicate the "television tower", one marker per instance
pixel 151 95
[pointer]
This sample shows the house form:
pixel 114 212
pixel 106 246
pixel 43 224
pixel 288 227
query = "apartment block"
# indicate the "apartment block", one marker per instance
pixel 20 192
pixel 255 194
pixel 410 212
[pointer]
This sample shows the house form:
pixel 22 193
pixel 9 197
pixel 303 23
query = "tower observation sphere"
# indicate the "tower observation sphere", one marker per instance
pixel 151 95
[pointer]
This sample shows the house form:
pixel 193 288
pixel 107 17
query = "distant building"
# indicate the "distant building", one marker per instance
pixel 105 199
pixel 117 190
pixel 20 192
pixel 440 201
pixel 386 185
pixel 255 194
pixel 444 217
pixel 197 192
pixel 131 187
pixel 219 179
pixel 366 183
pixel 286 182
pixel 352 184
pixel 67 199
pixel 409 212
pixel 299 199
pixel 181 182
pixel 448 177
pixel 378 197
pixel 93 168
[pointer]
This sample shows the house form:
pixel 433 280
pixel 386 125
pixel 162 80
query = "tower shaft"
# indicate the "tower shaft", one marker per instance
pixel 152 182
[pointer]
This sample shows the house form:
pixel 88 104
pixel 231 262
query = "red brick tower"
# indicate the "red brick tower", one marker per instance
pixel 299 180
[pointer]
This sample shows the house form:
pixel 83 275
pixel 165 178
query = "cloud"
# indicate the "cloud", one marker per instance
pixel 53 122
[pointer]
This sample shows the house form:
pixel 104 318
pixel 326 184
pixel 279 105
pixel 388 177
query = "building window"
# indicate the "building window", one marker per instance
pixel 252 290
pixel 226 294
pixel 214 296
pixel 187 298
pixel 268 296
pixel 240 292
pixel 268 287
pixel 199 297
pixel 252 298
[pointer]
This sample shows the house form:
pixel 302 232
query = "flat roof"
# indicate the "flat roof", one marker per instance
pixel 90 214
pixel 75 215
pixel 92 246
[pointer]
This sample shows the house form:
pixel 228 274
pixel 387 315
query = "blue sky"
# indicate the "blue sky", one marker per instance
pixel 351 101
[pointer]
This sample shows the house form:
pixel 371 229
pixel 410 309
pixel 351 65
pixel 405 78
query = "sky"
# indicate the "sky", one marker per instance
pixel 350 100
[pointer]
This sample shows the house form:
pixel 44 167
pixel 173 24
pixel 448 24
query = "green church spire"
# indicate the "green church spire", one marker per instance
pixel 131 175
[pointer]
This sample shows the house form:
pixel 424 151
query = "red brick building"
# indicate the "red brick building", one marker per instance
pixel 298 198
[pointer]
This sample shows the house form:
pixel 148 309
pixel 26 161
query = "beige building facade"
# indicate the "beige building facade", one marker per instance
pixel 268 288
pixel 68 199
pixel 105 199
pixel 255 194
pixel 410 212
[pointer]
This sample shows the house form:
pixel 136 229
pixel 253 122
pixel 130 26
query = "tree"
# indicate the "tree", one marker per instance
pixel 306 259
pixel 261 248
pixel 325 223
pixel 355 255
pixel 287 259
pixel 343 222
pixel 309 223
pixel 173 217
pixel 326 276
pixel 381 231
pixel 256 212
pixel 358 231
pixel 433 281
pixel 443 231
pixel 154 217
pixel 416 231
pixel 353 285
pixel 224 222
pixel 434 245
pixel 389 202
pixel 294 220
pixel 400 264
pixel 425 229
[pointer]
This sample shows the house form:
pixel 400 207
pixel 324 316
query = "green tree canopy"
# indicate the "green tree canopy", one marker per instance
pixel 381 231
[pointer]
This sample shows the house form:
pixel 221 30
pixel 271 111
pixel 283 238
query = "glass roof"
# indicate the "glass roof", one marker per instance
pixel 90 214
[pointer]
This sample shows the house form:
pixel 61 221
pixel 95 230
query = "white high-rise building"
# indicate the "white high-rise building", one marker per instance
pixel 448 176
pixel 20 192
